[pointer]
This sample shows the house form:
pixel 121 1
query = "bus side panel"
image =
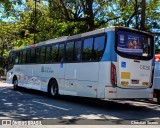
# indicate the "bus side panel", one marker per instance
pixel 104 79
pixel 19 71
pixel 37 76
pixel 109 52
pixel 81 79
pixel 26 76
pixel 109 56
pixel 47 71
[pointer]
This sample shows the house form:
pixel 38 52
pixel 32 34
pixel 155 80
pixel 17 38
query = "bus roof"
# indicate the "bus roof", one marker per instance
pixel 64 38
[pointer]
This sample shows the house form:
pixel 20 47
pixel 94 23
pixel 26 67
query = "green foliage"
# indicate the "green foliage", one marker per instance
pixel 68 17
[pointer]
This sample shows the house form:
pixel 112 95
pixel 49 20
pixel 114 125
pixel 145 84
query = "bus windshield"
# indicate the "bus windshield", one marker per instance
pixel 134 45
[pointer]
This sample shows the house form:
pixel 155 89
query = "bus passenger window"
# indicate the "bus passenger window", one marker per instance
pixel 11 59
pixel 54 53
pixel 69 51
pixel 17 58
pixel 99 44
pixel 87 49
pixel 37 56
pixel 146 47
pixel 32 58
pixel 20 57
pixel 77 51
pixel 61 52
pixel 48 53
pixel 28 56
pixel 42 54
pixel 24 57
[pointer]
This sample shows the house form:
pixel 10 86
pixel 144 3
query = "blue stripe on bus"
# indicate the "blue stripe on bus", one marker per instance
pixel 109 53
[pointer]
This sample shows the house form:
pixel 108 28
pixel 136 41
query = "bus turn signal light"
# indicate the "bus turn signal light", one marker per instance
pixel 145 83
pixel 125 83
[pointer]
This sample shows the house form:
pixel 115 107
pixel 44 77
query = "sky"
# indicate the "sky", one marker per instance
pixel 17 8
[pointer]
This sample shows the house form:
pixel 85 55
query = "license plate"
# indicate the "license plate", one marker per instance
pixel 135 81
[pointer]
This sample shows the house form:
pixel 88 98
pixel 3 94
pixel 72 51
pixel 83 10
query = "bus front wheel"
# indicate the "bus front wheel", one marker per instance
pixel 15 83
pixel 53 89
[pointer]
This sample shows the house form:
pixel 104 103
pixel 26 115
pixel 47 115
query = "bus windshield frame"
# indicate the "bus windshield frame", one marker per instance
pixel 132 53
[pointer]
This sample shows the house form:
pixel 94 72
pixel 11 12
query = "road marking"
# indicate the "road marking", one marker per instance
pixel 19 92
pixel 51 106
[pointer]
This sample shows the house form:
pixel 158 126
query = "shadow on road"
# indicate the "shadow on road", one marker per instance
pixel 20 105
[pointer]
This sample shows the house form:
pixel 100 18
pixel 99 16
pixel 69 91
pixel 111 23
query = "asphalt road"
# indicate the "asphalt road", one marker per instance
pixel 29 104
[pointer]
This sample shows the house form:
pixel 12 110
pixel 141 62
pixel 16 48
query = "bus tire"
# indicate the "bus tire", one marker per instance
pixel 15 83
pixel 53 89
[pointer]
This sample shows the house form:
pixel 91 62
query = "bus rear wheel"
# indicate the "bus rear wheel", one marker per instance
pixel 15 83
pixel 53 89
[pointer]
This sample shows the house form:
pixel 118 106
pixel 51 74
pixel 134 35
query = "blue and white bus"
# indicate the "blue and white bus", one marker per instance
pixel 112 63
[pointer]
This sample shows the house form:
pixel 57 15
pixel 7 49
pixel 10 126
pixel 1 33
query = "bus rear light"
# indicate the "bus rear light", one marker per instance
pixel 113 75
pixel 154 94
pixel 134 81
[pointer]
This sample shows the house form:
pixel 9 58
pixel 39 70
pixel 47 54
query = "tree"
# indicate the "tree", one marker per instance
pixel 9 6
pixel 91 13
pixel 69 17
pixel 143 4
pixel 6 41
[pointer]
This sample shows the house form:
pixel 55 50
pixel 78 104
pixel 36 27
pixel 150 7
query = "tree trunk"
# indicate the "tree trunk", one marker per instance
pixel 90 17
pixel 142 27
pixel 136 9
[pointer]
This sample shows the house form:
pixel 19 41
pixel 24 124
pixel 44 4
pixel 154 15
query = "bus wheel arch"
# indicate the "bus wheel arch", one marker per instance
pixel 53 89
pixel 156 95
pixel 15 82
